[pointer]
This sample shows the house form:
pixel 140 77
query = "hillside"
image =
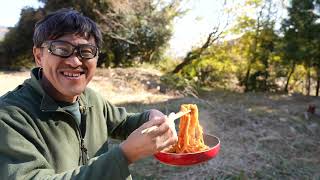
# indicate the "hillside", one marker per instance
pixel 263 136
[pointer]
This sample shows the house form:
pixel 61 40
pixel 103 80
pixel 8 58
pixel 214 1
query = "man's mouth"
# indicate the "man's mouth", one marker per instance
pixel 72 74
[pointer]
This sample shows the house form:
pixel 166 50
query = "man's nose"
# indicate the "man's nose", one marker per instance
pixel 74 60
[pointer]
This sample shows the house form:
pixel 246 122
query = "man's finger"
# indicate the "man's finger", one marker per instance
pixel 153 124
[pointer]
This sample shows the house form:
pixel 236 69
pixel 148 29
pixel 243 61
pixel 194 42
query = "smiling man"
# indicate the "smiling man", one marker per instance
pixel 54 127
pixel 65 80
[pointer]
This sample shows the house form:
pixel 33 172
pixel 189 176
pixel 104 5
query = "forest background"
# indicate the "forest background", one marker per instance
pixel 254 46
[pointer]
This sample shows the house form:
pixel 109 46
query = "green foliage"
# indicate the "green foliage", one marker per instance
pixel 301 39
pixel 257 45
pixel 211 70
pixel 166 64
pixel 216 68
pixel 135 31
pixel 186 86
pixel 144 33
pixel 17 44
pixel 24 60
pixel 245 24
pixel 175 81
pixel 262 58
pixel 297 79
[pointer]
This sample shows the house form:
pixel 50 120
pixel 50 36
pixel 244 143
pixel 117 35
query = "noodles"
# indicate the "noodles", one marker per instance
pixel 190 138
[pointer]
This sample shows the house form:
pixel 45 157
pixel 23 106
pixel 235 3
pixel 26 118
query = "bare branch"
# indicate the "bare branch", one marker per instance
pixel 117 37
pixel 211 39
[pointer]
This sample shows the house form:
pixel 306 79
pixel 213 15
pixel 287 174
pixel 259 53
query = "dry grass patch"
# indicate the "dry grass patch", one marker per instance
pixel 263 136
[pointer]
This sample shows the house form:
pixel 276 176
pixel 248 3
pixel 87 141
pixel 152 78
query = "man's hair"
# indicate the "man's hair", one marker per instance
pixel 65 21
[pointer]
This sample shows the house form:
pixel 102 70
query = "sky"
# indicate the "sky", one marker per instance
pixel 10 11
pixel 192 28
pixel 189 30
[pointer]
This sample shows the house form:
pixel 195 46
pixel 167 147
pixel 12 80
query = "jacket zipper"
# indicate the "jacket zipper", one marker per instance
pixel 84 152
pixel 82 133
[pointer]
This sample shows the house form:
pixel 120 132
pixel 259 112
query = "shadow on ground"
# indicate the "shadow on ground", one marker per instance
pixel 263 136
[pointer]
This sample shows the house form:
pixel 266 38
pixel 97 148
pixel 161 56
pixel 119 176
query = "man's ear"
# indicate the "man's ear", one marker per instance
pixel 37 53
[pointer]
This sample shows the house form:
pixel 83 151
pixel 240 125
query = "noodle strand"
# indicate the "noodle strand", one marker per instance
pixel 190 138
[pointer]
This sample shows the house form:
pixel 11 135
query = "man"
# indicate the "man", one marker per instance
pixel 54 127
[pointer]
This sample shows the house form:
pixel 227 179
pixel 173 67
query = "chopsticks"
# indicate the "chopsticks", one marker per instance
pixel 172 117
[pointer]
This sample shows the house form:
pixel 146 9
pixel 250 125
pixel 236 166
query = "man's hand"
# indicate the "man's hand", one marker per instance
pixel 138 145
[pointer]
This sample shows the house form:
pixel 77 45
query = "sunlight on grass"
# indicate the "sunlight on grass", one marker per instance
pixel 10 80
pixel 262 136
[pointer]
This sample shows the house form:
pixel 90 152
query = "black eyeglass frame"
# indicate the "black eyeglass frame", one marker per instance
pixel 77 48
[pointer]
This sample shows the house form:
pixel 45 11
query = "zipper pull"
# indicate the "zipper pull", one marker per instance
pixel 82 109
pixel 84 153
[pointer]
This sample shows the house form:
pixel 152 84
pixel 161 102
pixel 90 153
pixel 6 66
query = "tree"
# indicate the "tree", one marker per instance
pixel 292 53
pixel 17 44
pixel 211 39
pixel 301 36
pixel 196 53
pixel 258 32
pixel 132 30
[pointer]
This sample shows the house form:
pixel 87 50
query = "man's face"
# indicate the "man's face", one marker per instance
pixel 66 78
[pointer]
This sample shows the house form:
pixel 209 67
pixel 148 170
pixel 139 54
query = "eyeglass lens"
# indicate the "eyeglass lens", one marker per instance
pixel 66 49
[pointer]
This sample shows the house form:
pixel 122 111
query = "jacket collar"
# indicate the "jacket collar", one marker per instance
pixel 47 102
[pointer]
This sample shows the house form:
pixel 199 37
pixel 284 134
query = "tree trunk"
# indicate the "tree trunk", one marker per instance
pixel 117 58
pixel 318 81
pixel 192 55
pixel 308 81
pixel 289 77
pixel 246 78
pixel 318 85
pixel 253 51
pixel 187 60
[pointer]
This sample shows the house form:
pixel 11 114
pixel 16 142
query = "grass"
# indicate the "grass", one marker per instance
pixel 263 135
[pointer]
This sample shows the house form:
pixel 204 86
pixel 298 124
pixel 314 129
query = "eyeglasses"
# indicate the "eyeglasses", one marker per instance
pixel 65 49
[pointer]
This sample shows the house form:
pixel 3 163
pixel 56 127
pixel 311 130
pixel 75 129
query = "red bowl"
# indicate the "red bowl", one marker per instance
pixel 187 159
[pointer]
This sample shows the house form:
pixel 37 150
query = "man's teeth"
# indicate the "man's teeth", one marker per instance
pixel 71 74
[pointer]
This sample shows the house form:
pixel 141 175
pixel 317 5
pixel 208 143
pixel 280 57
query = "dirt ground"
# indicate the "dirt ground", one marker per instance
pixel 263 136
